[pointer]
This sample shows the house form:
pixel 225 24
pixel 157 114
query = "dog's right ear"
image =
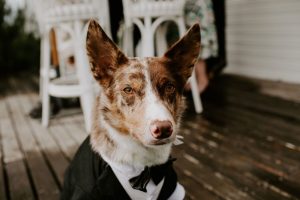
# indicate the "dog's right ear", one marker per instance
pixel 104 56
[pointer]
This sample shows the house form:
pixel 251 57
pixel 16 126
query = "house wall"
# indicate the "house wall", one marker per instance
pixel 263 39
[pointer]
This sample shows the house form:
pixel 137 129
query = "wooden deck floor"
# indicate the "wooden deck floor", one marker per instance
pixel 246 145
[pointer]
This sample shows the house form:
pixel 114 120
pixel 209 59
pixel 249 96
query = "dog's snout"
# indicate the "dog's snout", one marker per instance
pixel 161 129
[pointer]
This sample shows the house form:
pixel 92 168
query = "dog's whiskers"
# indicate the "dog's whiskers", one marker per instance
pixel 178 140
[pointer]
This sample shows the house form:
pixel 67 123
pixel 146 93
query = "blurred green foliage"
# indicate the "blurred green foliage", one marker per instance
pixel 19 50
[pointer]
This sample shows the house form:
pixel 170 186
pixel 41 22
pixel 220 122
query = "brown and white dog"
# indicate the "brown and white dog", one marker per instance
pixel 138 110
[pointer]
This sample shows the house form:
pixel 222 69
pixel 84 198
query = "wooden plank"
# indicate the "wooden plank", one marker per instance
pixel 77 119
pixel 19 183
pixel 246 154
pixel 278 155
pixel 203 175
pixel 237 127
pixel 11 149
pixel 54 156
pixel 56 159
pixel 67 145
pixel 253 101
pixel 193 189
pixel 80 122
pixel 264 136
pixel 225 160
pixel 258 86
pixel 269 161
pixel 273 131
pixel 265 133
pixel 74 129
pixel 44 183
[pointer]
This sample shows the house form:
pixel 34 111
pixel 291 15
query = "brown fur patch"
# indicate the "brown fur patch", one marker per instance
pixel 132 77
pixel 122 104
pixel 161 77
pixel 174 68
pixel 104 56
pixel 181 57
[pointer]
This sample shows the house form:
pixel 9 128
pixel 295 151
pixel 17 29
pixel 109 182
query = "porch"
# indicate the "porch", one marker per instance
pixel 245 145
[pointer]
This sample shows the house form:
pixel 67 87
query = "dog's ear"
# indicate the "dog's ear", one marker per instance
pixel 104 56
pixel 182 56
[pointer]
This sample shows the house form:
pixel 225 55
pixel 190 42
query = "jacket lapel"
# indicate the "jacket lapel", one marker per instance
pixel 107 185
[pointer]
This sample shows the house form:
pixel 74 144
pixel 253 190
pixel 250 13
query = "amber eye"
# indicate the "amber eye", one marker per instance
pixel 128 90
pixel 170 88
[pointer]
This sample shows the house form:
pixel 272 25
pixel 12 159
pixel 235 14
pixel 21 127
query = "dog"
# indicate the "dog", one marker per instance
pixel 136 119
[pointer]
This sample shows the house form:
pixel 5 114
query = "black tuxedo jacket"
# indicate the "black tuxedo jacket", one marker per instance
pixel 90 177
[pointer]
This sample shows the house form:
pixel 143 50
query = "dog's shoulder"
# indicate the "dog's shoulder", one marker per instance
pixel 84 167
pixel 90 177
pixel 80 176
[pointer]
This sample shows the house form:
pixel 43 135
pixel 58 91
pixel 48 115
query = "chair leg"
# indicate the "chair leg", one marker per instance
pixel 87 102
pixel 161 39
pixel 41 71
pixel 45 80
pixel 195 93
pixel 128 41
pixel 193 79
pixel 181 26
pixel 84 76
pixel 138 49
pixel 147 39
pixel 45 109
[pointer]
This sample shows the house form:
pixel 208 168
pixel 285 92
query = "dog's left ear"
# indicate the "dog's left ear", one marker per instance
pixel 104 56
pixel 182 56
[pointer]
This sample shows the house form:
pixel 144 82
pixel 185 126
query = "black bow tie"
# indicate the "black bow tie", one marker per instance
pixel 156 173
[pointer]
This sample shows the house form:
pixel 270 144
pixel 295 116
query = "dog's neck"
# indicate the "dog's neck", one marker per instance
pixel 124 149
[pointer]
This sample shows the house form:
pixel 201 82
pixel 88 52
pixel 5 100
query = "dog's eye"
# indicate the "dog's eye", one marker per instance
pixel 128 90
pixel 169 88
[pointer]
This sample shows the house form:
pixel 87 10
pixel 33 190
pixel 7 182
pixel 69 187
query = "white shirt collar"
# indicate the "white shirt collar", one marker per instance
pixel 124 173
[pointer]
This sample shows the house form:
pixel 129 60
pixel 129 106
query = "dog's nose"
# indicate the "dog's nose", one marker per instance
pixel 161 129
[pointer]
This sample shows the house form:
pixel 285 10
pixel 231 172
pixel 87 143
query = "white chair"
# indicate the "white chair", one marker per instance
pixel 69 19
pixel 148 15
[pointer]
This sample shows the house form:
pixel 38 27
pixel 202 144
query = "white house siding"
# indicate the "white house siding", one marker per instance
pixel 263 39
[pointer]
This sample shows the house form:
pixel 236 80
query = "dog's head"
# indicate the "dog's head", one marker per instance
pixel 142 97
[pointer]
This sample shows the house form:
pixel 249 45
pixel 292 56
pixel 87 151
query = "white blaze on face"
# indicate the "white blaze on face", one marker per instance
pixel 155 110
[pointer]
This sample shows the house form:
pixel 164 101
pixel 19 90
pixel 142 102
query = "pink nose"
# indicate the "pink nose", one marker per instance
pixel 161 129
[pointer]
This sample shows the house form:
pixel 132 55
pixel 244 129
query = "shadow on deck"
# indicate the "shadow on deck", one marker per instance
pixel 245 145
